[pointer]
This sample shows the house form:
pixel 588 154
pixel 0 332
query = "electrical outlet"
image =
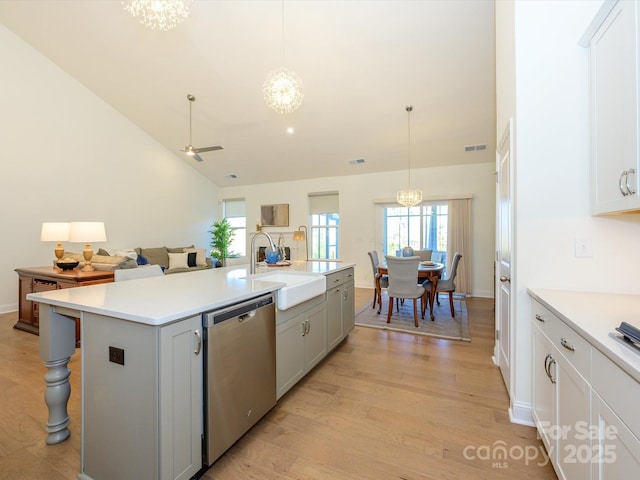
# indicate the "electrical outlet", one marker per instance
pixel 583 247
pixel 116 355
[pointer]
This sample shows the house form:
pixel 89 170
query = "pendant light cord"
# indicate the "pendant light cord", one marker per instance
pixel 282 14
pixel 409 109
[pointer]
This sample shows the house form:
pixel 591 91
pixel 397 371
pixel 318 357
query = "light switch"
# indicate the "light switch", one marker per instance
pixel 583 247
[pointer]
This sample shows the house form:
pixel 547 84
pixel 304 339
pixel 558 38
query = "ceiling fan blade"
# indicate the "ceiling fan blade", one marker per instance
pixel 207 149
pixel 197 157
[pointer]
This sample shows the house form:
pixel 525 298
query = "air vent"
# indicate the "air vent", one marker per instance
pixel 356 162
pixel 473 148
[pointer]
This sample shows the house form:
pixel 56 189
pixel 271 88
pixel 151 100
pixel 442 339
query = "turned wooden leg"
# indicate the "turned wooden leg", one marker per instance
pixel 390 311
pixel 415 311
pixel 56 396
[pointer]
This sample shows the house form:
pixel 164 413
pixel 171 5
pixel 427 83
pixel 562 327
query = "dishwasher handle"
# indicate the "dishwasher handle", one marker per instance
pixel 242 311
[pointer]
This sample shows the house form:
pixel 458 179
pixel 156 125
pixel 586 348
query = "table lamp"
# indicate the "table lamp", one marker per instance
pixel 299 235
pixel 87 232
pixel 55 232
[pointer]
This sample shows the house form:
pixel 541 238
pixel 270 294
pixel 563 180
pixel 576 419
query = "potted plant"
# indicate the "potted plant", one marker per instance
pixel 221 235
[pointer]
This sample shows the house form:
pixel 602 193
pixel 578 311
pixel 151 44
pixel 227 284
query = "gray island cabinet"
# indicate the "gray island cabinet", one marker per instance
pixel 142 363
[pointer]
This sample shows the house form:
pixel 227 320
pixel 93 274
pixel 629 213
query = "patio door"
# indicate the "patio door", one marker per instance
pixel 504 242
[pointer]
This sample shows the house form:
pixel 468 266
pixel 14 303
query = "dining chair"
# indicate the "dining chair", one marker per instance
pixel 425 255
pixel 145 271
pixel 407 252
pixel 403 272
pixel 448 284
pixel 384 279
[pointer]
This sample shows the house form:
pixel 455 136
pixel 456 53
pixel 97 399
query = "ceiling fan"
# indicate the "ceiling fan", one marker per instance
pixel 190 149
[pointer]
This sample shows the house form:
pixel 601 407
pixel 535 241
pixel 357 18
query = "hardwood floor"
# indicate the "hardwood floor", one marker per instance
pixel 384 405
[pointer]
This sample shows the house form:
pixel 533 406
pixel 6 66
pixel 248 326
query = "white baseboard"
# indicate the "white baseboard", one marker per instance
pixel 11 307
pixel 520 413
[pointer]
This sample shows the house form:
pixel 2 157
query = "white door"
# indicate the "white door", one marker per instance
pixel 504 235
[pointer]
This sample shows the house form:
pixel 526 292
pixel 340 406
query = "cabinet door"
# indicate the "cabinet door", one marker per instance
pixel 315 339
pixel 544 391
pixel 573 420
pixel 289 353
pixel 614 123
pixel 181 415
pixel 615 450
pixel 348 308
pixel 334 317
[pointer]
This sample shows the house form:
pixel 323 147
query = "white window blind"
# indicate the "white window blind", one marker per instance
pixel 320 203
pixel 234 208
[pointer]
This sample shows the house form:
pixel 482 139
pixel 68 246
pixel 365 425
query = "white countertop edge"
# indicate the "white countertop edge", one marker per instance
pixel 594 316
pixel 167 319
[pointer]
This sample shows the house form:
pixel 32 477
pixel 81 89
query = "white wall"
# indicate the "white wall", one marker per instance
pixel 68 156
pixel 358 221
pixel 552 169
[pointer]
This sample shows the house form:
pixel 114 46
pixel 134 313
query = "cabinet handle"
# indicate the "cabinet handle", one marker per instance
pixel 308 327
pixel 567 345
pixel 552 362
pixel 199 347
pixel 336 280
pixel 546 365
pixel 304 328
pixel 504 279
pixel 630 190
pixel 620 185
pixel 539 318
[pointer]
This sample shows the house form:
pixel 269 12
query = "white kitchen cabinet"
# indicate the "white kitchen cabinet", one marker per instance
pixel 142 403
pixel 615 446
pixel 561 396
pixel 615 163
pixel 301 342
pixel 340 306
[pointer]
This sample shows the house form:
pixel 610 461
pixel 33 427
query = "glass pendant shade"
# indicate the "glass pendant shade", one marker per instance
pixel 158 14
pixel 283 90
pixel 409 197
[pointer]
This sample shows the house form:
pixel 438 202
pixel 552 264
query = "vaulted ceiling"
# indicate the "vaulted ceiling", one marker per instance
pixel 361 63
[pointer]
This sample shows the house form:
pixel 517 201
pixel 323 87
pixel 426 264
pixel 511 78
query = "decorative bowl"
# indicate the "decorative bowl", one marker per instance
pixel 68 265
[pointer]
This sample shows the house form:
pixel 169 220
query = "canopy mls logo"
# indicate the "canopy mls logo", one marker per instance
pixel 581 443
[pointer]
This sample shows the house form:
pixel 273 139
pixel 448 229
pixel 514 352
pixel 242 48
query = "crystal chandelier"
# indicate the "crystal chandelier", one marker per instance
pixel 409 197
pixel 158 14
pixel 283 89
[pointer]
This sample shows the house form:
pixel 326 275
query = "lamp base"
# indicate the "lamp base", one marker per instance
pixel 87 253
pixel 59 251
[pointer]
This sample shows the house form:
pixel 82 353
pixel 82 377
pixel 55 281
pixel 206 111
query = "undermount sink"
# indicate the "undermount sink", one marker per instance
pixel 299 287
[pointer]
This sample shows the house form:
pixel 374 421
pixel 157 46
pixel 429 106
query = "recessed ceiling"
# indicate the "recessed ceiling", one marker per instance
pixel 361 63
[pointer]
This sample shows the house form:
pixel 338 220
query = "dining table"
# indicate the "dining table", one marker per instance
pixel 426 271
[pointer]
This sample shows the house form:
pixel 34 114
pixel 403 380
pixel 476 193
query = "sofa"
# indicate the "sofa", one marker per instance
pixel 171 259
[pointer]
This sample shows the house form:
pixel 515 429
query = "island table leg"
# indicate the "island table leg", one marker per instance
pixel 57 344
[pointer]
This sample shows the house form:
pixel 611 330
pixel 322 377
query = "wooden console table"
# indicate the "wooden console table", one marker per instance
pixel 42 279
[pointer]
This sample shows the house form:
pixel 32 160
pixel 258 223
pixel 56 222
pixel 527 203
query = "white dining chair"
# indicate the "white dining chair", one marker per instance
pixel 403 272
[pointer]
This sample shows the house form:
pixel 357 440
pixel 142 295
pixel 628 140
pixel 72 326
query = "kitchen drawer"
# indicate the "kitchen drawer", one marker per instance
pixel 571 345
pixel 620 391
pixel 334 279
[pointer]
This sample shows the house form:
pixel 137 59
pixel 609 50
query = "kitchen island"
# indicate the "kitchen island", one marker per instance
pixel 158 323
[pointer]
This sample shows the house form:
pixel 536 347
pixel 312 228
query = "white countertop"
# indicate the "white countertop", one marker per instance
pixel 595 316
pixel 161 300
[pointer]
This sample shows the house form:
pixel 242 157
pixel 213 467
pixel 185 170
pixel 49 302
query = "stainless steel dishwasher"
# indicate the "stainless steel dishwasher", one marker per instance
pixel 239 371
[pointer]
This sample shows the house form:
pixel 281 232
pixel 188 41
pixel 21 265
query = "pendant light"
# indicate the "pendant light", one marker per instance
pixel 158 14
pixel 283 89
pixel 409 197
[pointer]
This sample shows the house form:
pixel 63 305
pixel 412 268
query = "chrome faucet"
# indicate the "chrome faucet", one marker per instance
pixel 252 262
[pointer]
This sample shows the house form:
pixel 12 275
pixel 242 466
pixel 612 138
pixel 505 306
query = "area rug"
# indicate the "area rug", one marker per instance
pixel 444 326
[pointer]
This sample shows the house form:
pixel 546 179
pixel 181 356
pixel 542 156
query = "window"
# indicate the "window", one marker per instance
pixel 235 213
pixel 325 220
pixel 421 227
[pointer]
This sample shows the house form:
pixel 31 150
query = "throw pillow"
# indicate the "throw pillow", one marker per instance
pixel 201 260
pixel 191 259
pixel 102 251
pixel 142 260
pixel 178 260
pixel 156 255
pixel 177 249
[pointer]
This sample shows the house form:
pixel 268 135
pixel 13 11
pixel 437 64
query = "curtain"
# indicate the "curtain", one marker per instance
pixel 459 240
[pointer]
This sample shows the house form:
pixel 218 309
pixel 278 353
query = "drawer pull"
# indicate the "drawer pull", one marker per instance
pixel 539 318
pixel 567 345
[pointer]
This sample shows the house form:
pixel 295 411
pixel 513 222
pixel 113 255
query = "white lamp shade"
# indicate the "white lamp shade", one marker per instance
pixel 86 232
pixel 54 232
